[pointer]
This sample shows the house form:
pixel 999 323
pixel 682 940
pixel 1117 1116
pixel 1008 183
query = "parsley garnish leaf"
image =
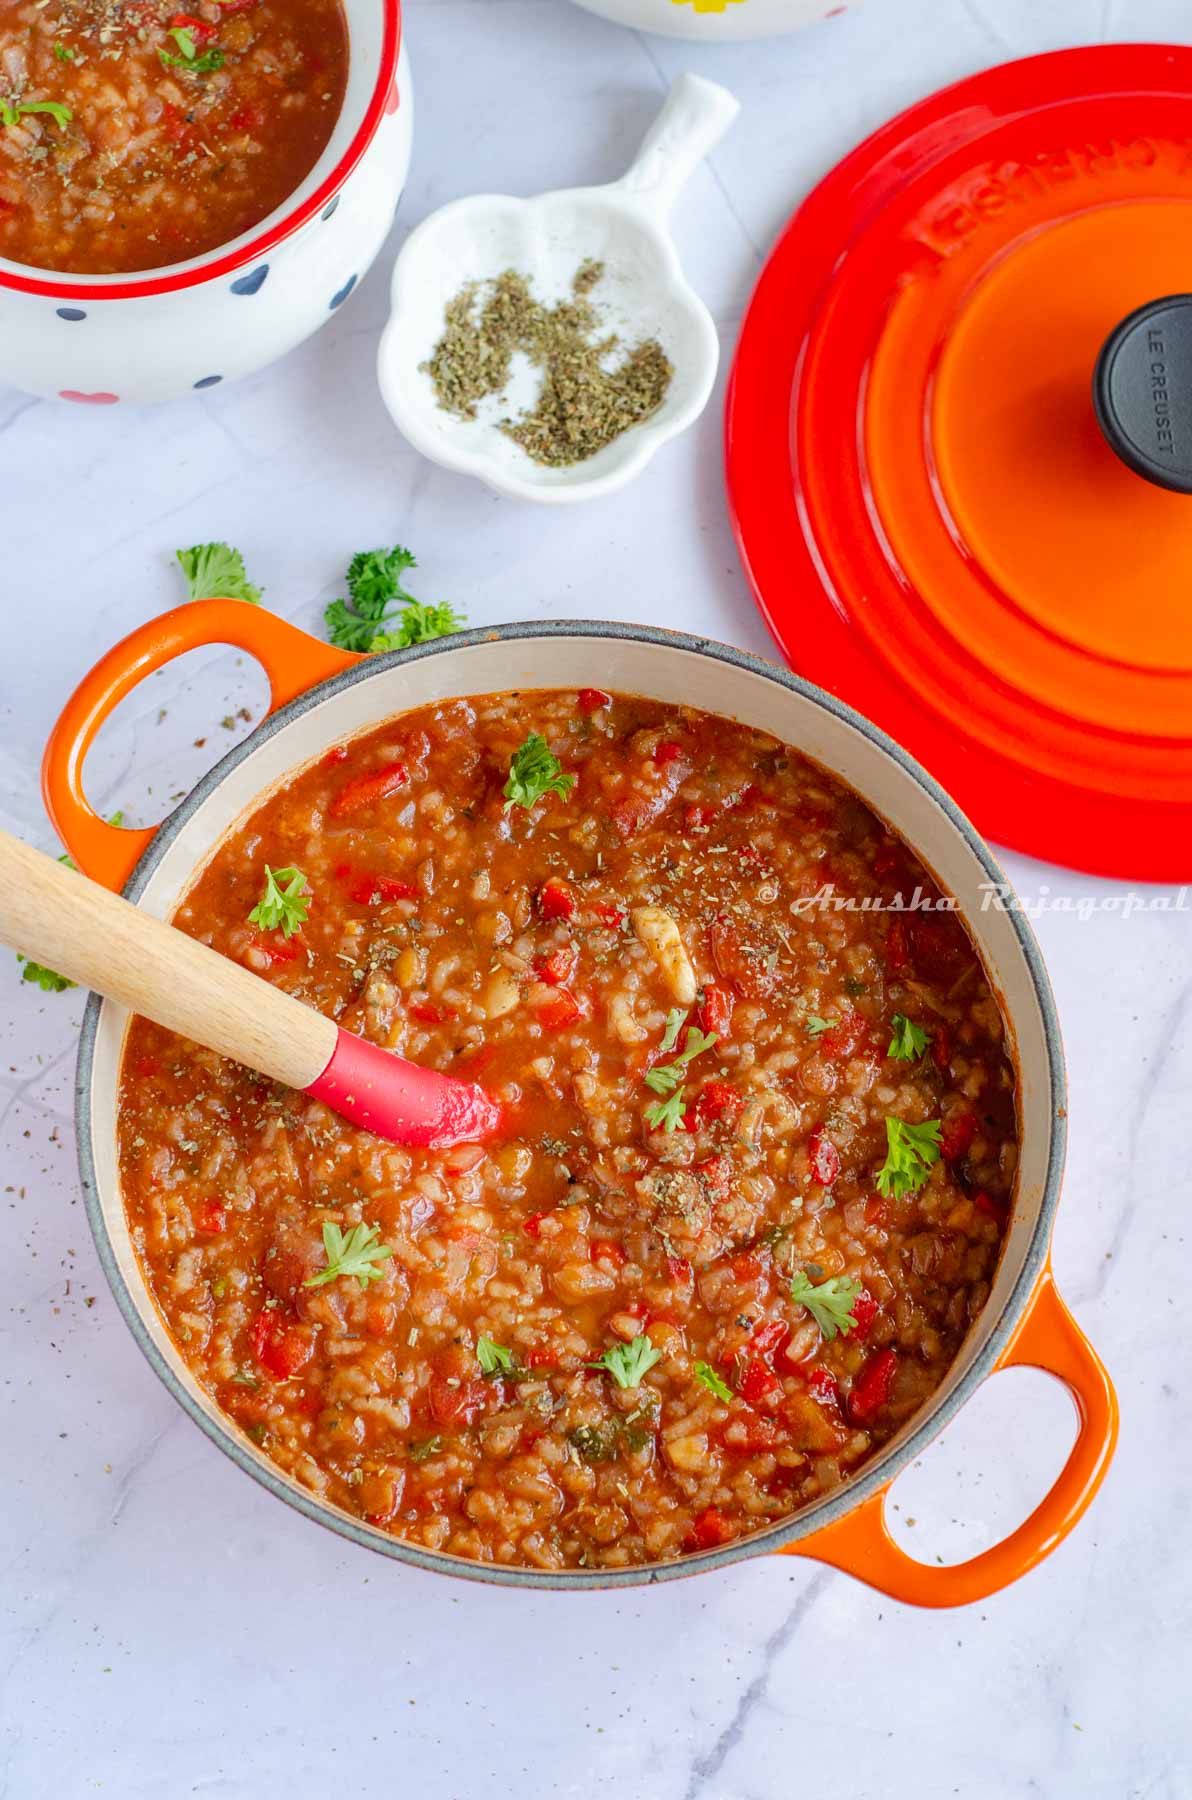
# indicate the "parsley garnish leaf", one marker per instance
pixel 363 622
pixel 64 53
pixel 285 902
pixel 714 1383
pixel 535 770
pixel 908 1040
pixel 675 1019
pixel 494 1359
pixel 817 1026
pixel 184 37
pixel 665 1077
pixel 829 1302
pixel 627 1363
pixel 356 1254
pixel 667 1115
pixel 910 1152
pixel 216 572
pixel 13 111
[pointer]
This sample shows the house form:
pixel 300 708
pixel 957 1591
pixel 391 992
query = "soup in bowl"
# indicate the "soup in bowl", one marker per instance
pixel 185 195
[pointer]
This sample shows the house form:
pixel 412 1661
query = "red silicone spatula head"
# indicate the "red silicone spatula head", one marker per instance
pixel 396 1099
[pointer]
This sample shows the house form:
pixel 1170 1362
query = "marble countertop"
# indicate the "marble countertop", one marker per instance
pixel 168 1629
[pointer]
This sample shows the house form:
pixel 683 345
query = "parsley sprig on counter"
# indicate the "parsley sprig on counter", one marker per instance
pixel 910 1152
pixel 216 572
pixel 627 1363
pixel 285 903
pixel 829 1302
pixel 908 1040
pixel 364 621
pixel 667 1078
pixel 356 1254
pixel 535 770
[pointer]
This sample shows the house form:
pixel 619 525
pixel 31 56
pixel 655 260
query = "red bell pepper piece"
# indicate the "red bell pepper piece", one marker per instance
pixel 845 1038
pixel 609 915
pixel 593 700
pixel 455 1400
pixel 717 1100
pixel 557 966
pixel 864 1311
pixel 715 1012
pixel 710 1529
pixel 188 22
pixel 280 1344
pixel 716 1172
pixel 823 1386
pixel 531 1224
pixel 897 951
pixel 427 1013
pixel 823 1158
pixel 375 890
pixel 556 900
pixel 871 1390
pixel 560 1011
pixel 365 790
pixel 985 1203
pixel 667 752
pixel 956 1138
pixel 604 1250
pixel 211 1218
pixel 769 1338
pixel 759 1384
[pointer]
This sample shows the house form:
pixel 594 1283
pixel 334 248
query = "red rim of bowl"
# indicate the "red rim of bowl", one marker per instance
pixel 140 287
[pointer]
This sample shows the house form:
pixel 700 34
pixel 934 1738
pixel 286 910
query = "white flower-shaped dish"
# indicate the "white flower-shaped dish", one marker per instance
pixel 642 294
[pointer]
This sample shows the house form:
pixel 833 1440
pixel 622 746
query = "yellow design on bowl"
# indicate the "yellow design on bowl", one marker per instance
pixel 709 6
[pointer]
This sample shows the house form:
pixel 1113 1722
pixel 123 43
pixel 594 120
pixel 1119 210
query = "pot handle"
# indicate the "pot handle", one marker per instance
pixel 1047 1338
pixel 292 659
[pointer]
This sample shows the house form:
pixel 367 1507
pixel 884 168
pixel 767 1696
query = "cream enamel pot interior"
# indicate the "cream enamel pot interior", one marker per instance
pixel 321 696
pixel 716 21
pixel 101 339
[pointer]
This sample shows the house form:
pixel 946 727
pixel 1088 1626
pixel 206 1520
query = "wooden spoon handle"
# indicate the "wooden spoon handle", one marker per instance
pixel 58 917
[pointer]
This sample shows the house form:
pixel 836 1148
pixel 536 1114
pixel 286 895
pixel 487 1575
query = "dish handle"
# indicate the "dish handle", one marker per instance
pixel 292 659
pixel 1047 1338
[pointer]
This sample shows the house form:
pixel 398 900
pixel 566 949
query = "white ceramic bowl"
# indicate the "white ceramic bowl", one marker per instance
pixel 716 21
pixel 641 295
pixel 99 339
pixel 1023 1321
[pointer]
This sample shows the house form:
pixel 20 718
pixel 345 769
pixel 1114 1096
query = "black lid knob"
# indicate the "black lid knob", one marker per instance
pixel 1142 390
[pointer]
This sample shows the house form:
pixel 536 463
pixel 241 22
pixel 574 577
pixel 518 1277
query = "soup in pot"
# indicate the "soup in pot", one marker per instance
pixel 759 1149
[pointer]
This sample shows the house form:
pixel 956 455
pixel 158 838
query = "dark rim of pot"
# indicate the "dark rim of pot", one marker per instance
pixel 851 1493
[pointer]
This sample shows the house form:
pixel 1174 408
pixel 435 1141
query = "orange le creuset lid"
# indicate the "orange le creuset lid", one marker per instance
pixel 959 440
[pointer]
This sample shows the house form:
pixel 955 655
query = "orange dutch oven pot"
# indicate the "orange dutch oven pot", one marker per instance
pixel 320 696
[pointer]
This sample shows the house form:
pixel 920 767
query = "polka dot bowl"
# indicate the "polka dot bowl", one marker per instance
pixel 103 340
